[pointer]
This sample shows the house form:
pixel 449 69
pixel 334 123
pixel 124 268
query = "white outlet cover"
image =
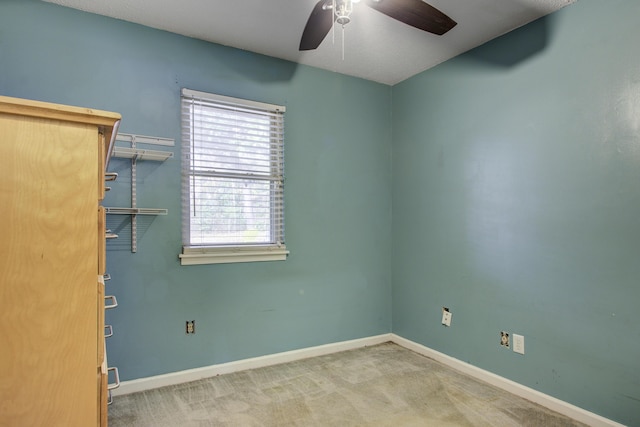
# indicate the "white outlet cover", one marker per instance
pixel 518 343
pixel 446 318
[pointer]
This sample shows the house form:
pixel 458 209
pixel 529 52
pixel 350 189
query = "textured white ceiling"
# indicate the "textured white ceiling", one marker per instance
pixel 376 47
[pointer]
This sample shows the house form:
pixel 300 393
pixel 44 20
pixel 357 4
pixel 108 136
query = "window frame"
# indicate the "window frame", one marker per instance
pixel 195 254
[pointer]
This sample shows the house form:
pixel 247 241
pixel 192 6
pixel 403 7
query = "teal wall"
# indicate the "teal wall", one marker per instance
pixel 516 203
pixel 336 284
pixel 514 191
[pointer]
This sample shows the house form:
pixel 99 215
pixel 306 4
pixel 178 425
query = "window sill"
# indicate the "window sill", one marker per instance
pixel 211 255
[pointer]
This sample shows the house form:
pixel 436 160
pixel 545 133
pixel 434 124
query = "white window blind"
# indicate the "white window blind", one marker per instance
pixel 233 179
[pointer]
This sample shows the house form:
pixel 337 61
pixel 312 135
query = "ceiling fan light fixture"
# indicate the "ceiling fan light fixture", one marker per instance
pixel 342 10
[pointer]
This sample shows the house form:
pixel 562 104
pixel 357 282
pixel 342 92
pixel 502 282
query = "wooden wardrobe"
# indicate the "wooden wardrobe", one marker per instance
pixel 52 260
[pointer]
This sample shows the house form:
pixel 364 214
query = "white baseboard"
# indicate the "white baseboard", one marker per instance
pixel 180 377
pixel 545 400
pixel 513 387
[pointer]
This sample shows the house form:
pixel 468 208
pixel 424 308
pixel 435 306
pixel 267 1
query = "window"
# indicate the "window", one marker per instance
pixel 232 180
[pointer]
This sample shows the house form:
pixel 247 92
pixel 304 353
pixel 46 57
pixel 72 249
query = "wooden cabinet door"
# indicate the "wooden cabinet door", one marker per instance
pixel 48 267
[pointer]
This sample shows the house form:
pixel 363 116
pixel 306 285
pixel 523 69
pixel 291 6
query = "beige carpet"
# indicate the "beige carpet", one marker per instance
pixel 382 385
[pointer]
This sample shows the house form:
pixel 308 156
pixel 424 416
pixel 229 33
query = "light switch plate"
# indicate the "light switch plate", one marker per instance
pixel 446 316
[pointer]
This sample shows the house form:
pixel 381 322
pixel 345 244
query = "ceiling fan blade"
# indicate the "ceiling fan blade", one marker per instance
pixel 416 13
pixel 317 27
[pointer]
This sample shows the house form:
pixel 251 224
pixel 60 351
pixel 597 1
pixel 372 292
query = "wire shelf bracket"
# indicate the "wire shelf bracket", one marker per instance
pixel 134 153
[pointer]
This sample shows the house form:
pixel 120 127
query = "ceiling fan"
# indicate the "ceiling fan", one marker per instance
pixel 416 13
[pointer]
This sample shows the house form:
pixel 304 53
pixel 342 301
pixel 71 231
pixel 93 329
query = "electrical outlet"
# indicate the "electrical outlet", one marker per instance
pixel 446 316
pixel 504 339
pixel 518 343
pixel 190 327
